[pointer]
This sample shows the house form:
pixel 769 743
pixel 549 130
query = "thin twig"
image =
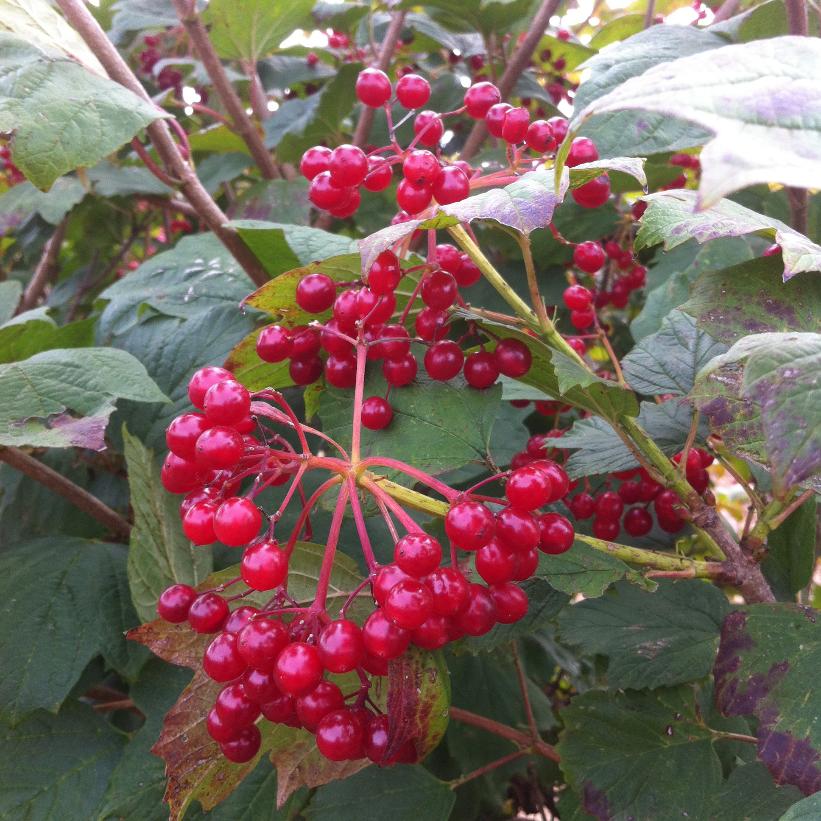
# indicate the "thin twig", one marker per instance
pixel 520 675
pixel 517 64
pixel 78 496
pixel 45 270
pixel 790 509
pixel 649 13
pixel 486 768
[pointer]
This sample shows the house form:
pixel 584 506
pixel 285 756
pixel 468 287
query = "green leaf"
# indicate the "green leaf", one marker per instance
pixel 768 19
pixel 749 794
pixel 283 201
pixel 159 554
pixel 437 426
pixel 620 28
pixel 767 667
pixel 763 133
pixel 750 298
pixel 219 168
pixel 638 754
pixel 806 810
pixel 63 398
pixel 20 201
pixel 61 607
pixel 418 701
pixel 584 570
pixel 769 382
pixel 668 360
pixel 57 761
pixel 34 331
pixel 254 29
pixel 122 180
pixel 62 115
pixel 650 639
pixel 10 292
pixel 405 793
pixel 283 247
pixel 195 275
pixel 626 170
pixel 132 15
pixel 790 557
pixel 673 217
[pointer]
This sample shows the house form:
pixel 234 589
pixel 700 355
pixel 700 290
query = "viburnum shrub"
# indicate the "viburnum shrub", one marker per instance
pixel 462 379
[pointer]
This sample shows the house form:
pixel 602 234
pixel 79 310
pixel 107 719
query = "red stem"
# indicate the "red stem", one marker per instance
pixel 358 396
pixel 359 520
pixel 330 550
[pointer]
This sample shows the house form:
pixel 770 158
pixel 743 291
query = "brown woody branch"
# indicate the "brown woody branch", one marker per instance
pixel 79 497
pixel 118 70
pixel 516 65
pixel 45 270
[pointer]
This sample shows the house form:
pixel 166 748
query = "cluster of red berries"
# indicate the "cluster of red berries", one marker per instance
pixel 368 313
pixel 167 77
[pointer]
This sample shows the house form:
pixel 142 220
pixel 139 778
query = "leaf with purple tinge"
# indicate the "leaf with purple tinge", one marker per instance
pixel 672 218
pixel 767 667
pixel 524 205
pixel 764 394
pixel 761 99
pixel 631 166
pixel 418 701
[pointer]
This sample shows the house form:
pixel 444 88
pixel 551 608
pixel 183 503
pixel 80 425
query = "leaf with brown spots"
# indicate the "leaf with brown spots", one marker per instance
pixel 174 643
pixel 767 667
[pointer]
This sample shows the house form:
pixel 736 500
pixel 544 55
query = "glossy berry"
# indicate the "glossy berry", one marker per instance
pixel 340 736
pixel 373 88
pixel 528 488
pixel 510 602
pixel 314 161
pixel 609 505
pixel 340 370
pixel 207 613
pixel 555 533
pixel 175 602
pixel 384 638
pixel 202 380
pixel 219 447
pixel 582 319
pixel 239 618
pixel 605 528
pixel 515 126
pixel 408 604
pixel 638 522
pixel 444 360
pixel 264 565
pixel 198 523
pixel 348 166
pixel 540 137
pixel 582 150
pixel 218 728
pixel 244 746
pixel 305 370
pixel 469 525
pixel 323 192
pixel 513 358
pixel 313 706
pixel 559 125
pixel 449 590
pixel 577 298
pixel 448 257
pixel 495 563
pixel 400 372
pixel 260 642
pixel 315 293
pixel 260 685
pixel 428 128
pixel 518 530
pixel 432 324
pixel 479 615
pixel 182 434
pixel 452 185
pixel 341 646
pixel 412 91
pixel 413 198
pixel 525 563
pixel 237 521
pixel 384 274
pixel 588 256
pixel 227 403
pixel 480 97
pixel 222 660
pixel 593 194
pixel 387 576
pixel 379 176
pixel 481 370
pixel 495 118
pixel 298 668
pixel 397 341
pixel 421 168
pixel 417 554
pixel 439 290
pixel 376 413
pixel 274 344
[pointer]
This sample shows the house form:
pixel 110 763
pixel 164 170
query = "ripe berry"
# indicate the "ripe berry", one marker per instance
pixel 376 413
pixel 408 604
pixel 559 125
pixel 314 161
pixel 348 206
pixel 373 88
pixel 525 563
pixel 397 341
pixel 494 563
pixel 340 736
pixel 260 642
pixel 513 358
pixel 298 668
pixel 638 522
pixel 479 616
pixel 374 309
pixel 588 256
pixel 510 602
pixel 540 137
pixel 315 293
pixel 401 371
pixel 239 618
pixel 555 534
pixel 432 633
pixel 340 371
pixel 517 529
pixel 379 175
pixel 582 319
pixel 207 613
pixel 412 91
pixel 175 602
pixel 383 638
pixel 439 290
pixel 219 447
pixel 515 125
pixel 222 660
pixel 452 185
pixel 305 370
pixel 605 528
pixel 386 578
pixel 323 192
pixel 198 523
pixel 481 370
pixel 593 194
pixel 260 685
pixel 577 298
pixel 218 729
pixel 444 360
pixel 227 403
pixel 341 646
pixel 421 168
pixel 609 505
pixel 468 272
pixel 264 566
pixel 237 521
pixel 348 166
pixel 479 98
pixel 313 706
pixel 428 128
pixel 202 380
pixel 182 434
pixel 413 198
pixel 528 488
pixel 274 344
pixel 305 342
pixel 449 590
pixel 495 118
pixel 630 492
pixel 244 746
pixel 582 150
pixel 469 525
pixel 432 324
pixel 417 554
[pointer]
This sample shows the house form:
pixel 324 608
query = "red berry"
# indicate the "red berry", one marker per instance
pixel 305 370
pixel 175 602
pixel 479 616
pixel 219 447
pixel 227 403
pixel 605 528
pixel 630 492
pixel 373 309
pixel 481 370
pixel 494 563
pixel 274 344
pixel 593 194
pixel 559 126
pixel 298 668
pixel 239 618
pixel 348 206
pixel 582 319
pixel 182 434
pixel 237 521
pixel 202 380
pixel 439 290
pixel 432 324
pixel 412 91
pixel 264 566
pixel 479 98
pixel 323 192
pixel 244 746
pixel 513 358
pixel 444 360
pixel 448 257
pixel 510 601
pixel 340 736
pixel 222 660
pixel 609 505
pixel 588 256
pixel 428 128
pixel 373 88
pixel 315 293
pixel 313 706
pixel 340 370
pixel 421 168
pixel 386 578
pixel 379 176
pixel 384 274
pixel 540 137
pixel 528 488
pixel 376 413
pixel 638 522
pixel 449 590
pixel 413 198
pixel 469 525
pixel 408 604
pixel 451 185
pixel 348 166
pixel 417 554
pixel 314 161
pixel 515 125
pixel 281 710
pixel 207 613
pixel 577 298
pixel 217 728
pixel 517 530
pixel 555 534
pixel 383 638
pixel 198 523
pixel 341 647
pixel 468 272
pixel 582 150
pixel 260 685
pixel 401 371
pixel 525 563
pixel 260 642
pixel 495 118
pixel 397 341
pixel 305 342
pixel 432 633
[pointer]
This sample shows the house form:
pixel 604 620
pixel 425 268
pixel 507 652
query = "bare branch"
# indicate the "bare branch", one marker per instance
pixel 45 270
